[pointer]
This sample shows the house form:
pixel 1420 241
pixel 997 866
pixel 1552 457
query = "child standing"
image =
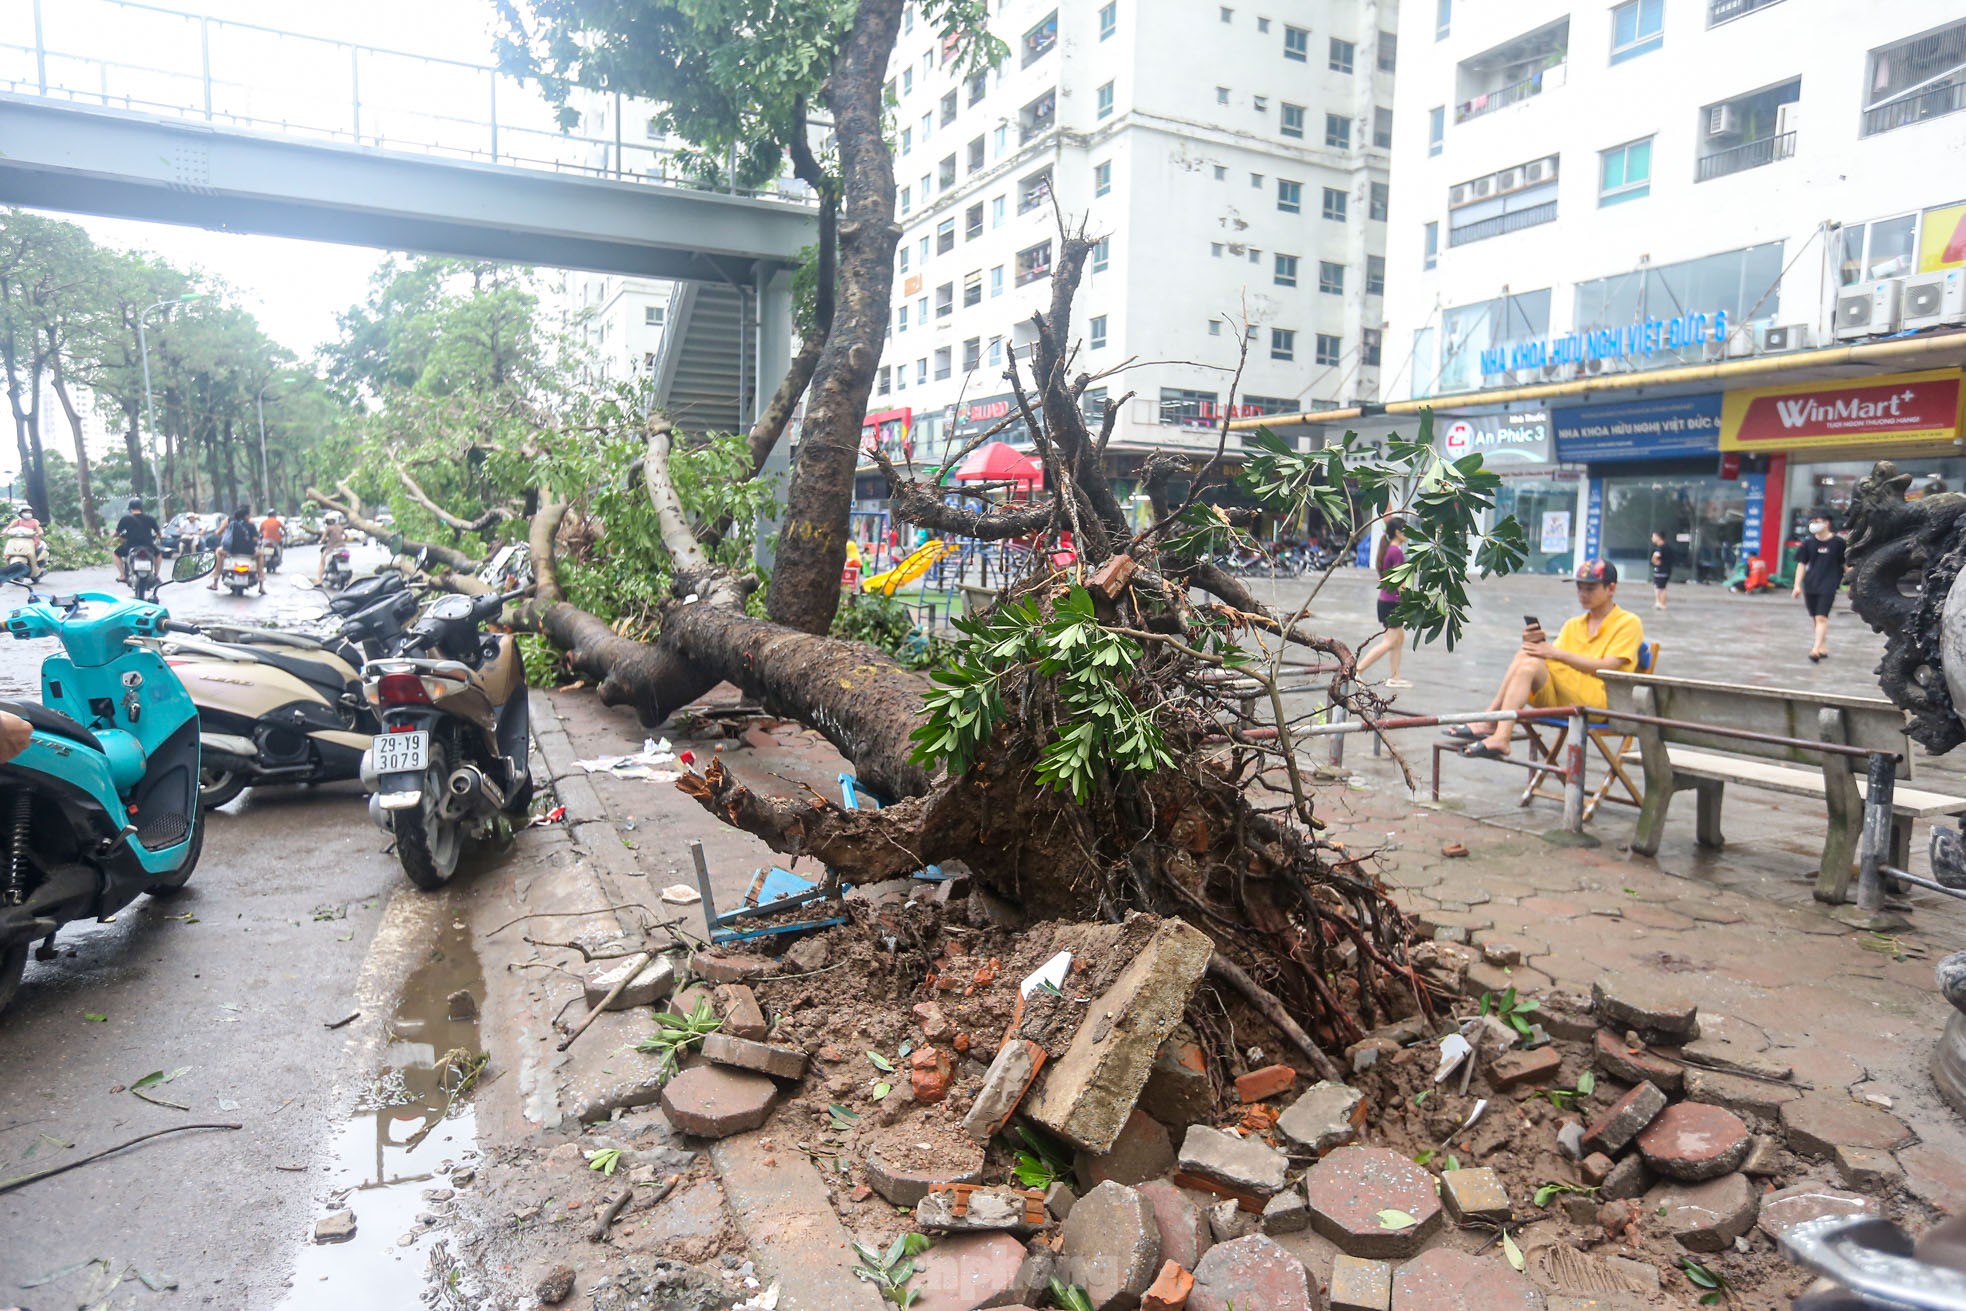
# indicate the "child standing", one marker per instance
pixel 1818 575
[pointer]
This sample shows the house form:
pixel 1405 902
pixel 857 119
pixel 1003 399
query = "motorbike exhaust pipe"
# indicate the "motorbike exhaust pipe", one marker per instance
pixel 471 793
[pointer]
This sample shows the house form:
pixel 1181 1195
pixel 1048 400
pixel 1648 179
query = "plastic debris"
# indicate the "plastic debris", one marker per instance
pixel 1453 1050
pixel 681 894
pixel 640 765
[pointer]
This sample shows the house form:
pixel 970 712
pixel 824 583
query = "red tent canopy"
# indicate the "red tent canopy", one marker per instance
pixel 998 462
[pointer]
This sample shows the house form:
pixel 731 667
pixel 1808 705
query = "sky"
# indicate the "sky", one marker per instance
pixel 294 288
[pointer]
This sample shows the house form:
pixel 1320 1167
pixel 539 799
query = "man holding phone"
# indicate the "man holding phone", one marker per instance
pixel 1564 672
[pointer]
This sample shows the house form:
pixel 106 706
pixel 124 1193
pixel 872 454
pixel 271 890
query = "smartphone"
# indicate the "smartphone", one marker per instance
pixel 1531 621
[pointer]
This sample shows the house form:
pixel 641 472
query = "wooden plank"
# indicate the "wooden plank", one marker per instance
pixel 1747 691
pixel 1874 725
pixel 1914 802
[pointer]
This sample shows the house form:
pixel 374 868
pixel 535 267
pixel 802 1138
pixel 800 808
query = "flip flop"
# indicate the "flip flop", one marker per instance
pixel 1462 733
pixel 1482 751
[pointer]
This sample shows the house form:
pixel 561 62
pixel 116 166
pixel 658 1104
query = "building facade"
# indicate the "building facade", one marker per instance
pixel 1232 159
pixel 1715 249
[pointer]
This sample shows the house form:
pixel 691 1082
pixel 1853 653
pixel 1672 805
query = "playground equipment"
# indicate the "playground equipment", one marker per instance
pixel 918 562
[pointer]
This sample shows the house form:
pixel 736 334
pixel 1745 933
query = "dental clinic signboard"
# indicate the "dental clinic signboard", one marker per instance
pixel 1905 407
pixel 1633 342
pixel 1660 428
pixel 1517 440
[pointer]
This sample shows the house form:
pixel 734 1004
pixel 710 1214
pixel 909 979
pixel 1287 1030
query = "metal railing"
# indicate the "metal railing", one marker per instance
pixel 1751 154
pixel 1938 101
pixel 1514 93
pixel 1502 223
pixel 1722 11
pixel 292 84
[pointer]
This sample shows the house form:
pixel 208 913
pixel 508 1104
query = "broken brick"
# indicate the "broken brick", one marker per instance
pixel 1177 1092
pixel 1707 1216
pixel 1694 1141
pixel 1360 1285
pixel 935 1025
pixel 962 1208
pixel 1613 1131
pixel 1261 1085
pixel 1249 1167
pixel 966 1271
pixel 763 1057
pixel 1171 1287
pixel 930 1071
pixel 906 1184
pixel 743 1017
pixel 1327 1116
pixel 1447 1280
pixel 1655 1008
pixel 1111 578
pixel 1010 1076
pixel 1474 1194
pixel 1110 1247
pixel 1782 1211
pixel 1621 1061
pixel 1821 1122
pixel 1512 1068
pixel 653 981
pixel 1144 1151
pixel 1184 1230
pixel 730 967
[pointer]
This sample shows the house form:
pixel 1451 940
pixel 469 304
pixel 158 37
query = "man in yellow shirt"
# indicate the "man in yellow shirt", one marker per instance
pixel 1565 672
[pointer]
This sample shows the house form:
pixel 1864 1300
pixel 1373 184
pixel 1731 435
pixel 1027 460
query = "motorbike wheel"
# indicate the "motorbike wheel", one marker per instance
pixel 427 844
pixel 174 882
pixel 13 964
pixel 218 786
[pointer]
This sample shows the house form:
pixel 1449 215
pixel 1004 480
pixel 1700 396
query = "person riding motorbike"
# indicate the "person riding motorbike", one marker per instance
pixel 334 536
pixel 24 518
pixel 133 531
pixel 271 529
pixel 239 539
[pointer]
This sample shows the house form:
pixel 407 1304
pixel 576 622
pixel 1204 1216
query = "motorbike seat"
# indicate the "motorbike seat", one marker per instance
pixel 54 722
pixel 318 672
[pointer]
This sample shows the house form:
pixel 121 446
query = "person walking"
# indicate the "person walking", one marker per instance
pixel 1661 570
pixel 1392 641
pixel 1818 576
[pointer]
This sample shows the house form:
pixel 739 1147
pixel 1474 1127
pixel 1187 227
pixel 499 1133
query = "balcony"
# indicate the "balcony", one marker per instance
pixel 1546 79
pixel 1915 109
pixel 1750 154
pixel 1502 224
pixel 1037 118
pixel 1512 72
pixel 1725 11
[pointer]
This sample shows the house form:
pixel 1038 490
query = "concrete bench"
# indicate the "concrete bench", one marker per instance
pixel 1678 758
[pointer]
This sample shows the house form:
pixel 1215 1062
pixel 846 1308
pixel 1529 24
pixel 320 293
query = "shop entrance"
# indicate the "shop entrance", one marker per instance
pixel 1547 510
pixel 1700 515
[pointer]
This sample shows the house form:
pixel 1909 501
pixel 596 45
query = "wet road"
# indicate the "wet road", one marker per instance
pixel 294 919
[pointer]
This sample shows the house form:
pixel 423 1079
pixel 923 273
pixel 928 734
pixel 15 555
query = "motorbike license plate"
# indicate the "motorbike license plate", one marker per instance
pixel 401 753
pixel 143 564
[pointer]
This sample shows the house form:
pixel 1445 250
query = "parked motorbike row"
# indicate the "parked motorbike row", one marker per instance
pixel 146 722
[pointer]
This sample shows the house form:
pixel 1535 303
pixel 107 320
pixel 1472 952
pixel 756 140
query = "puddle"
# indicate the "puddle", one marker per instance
pixel 400 1144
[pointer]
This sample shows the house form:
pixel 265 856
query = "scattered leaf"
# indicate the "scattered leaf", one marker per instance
pixel 1396 1220
pixel 604 1159
pixel 1699 1274
pixel 881 1063
pixel 1586 1083
pixel 155 1282
pixel 1424 1157
pixel 881 1090
pixel 95 1017
pixel 1511 1251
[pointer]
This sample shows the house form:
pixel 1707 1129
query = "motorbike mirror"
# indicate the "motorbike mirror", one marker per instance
pixel 192 566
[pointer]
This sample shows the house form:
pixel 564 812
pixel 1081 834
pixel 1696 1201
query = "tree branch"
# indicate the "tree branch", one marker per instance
pixel 495 515
pixel 349 505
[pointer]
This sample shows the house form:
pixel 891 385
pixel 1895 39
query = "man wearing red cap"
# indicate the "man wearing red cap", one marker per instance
pixel 1564 672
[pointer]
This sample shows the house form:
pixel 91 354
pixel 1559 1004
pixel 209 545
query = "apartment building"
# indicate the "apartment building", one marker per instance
pixel 1232 159
pixel 1634 246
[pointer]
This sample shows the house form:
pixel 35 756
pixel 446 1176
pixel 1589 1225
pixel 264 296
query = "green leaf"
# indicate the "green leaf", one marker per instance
pixel 1699 1274
pixel 881 1063
pixel 605 1160
pixel 881 1090
pixel 95 1017
pixel 1396 1220
pixel 1586 1084
pixel 1511 1251
pixel 1423 1157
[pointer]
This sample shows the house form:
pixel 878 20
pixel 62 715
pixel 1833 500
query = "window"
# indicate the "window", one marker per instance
pixel 904 259
pixel 652 316
pixel 1443 16
pixel 928 187
pixel 1297 44
pixel 1109 20
pixel 921 373
pixel 1881 248
pixel 901 319
pixel 997 211
pixel 907 80
pixel 1388 52
pixel 1637 28
pixel 996 350
pixel 1368 348
pixel 1104 97
pixel 1215 249
pixel 1255 255
pixel 1375 275
pixel 886 380
pixel 972 288
pixel 1102 178
pixel 1293 120
pixel 1380 197
pixel 1436 128
pixel 1624 172
pixel 901 377
pixel 1283 344
pixel 1335 202
pixel 928 126
pixel 1040 39
pixel 1180 405
pixel 942 362
pixel 907 19
pixel 921 312
pixel 1432 247
pixel 921 251
pixel 1215 327
pixel 945 236
pixel 1001 139
pixel 972 354
pixel 1337 131
pixel 945 300
pixel 1286 271
pixel 1342 53
pixel 1228 14
pixel 907 201
pixel 1330 278
pixel 973 222
pixel 1033 192
pixel 1221 95
pixel 976 155
pixel 1913 80
pixel 1382 128
pixel 1256 181
pixel 1221 173
pixel 1102 254
pixel 979 86
pixel 1033 263
pixel 1262 25
pixel 996 281
pixel 1037 117
pixel 907 139
pixel 1261 104
pixel 1327 348
pixel 1096 332
pixel 948 108
pixel 945 173
pixel 1290 196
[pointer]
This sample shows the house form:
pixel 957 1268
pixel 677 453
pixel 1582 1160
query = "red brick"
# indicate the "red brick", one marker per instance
pixel 730 967
pixel 1184 1232
pixel 1613 1131
pixel 1261 1085
pixel 930 1071
pixel 743 1017
pixel 1641 1066
pixel 966 1271
pixel 1172 1286
pixel 1512 1068
pixel 1694 1141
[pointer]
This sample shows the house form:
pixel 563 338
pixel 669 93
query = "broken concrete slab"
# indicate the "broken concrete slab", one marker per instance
pixel 1327 1116
pixel 967 1271
pixel 759 1057
pixel 1628 1064
pixel 1622 1121
pixel 1351 1188
pixel 1861 1167
pixel 1143 1152
pixel 976 1208
pixel 1358 1284
pixel 651 982
pixel 1287 1213
pixel 1657 1008
pixel 1012 1071
pixel 903 1173
pixel 1177 1092
pixel 1783 1210
pixel 1734 1046
pixel 1228 1221
pixel 335 1227
pixel 1694 1141
pixel 1249 1167
pixel 1739 1093
pixel 1251 1272
pixel 788 1225
pixel 714 1101
pixel 1184 1229
pixel 1819 1123
pixel 1446 1280
pixel 1628 1178
pixel 1085 1095
pixel 1475 1194
pixel 1704 1217
pixel 1111 1247
pixel 1764 1156
pixel 743 1017
pixel 1059 1199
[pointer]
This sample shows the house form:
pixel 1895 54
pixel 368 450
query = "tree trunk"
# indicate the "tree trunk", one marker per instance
pixel 805 586
pixel 231 470
pixel 91 522
pixel 141 477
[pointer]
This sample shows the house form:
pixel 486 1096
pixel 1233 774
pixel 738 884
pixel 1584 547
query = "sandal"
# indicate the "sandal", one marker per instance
pixel 1482 751
pixel 1398 683
pixel 1462 733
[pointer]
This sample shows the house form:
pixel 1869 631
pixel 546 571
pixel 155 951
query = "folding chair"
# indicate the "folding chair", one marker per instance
pixel 1611 741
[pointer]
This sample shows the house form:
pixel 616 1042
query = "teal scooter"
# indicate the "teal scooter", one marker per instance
pixel 102 803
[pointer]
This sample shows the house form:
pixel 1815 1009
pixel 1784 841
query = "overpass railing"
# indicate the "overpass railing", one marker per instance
pixel 130 55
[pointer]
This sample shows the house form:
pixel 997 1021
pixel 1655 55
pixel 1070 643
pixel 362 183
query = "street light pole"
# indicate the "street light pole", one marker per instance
pixel 265 474
pixel 149 407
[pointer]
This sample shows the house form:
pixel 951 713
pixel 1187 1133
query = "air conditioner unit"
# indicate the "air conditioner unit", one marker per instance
pixel 1786 117
pixel 1741 343
pixel 1935 300
pixel 1457 194
pixel 1869 309
pixel 1482 186
pixel 1787 337
pixel 1508 179
pixel 1713 352
pixel 1722 121
pixel 1593 365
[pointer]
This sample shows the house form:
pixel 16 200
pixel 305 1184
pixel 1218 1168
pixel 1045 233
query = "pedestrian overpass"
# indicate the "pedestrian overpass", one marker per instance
pixel 131 110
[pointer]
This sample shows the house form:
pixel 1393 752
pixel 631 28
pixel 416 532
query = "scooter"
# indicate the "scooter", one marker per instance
pixel 142 564
pixel 103 803
pixel 449 767
pixel 241 573
pixel 22 550
pixel 270 556
pixel 338 573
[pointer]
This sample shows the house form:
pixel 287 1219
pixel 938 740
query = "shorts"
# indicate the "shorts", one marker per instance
pixel 1659 581
pixel 1570 687
pixel 1818 603
pixel 1386 609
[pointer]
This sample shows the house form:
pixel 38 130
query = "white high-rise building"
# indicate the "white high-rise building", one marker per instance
pixel 1620 231
pixel 1232 156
